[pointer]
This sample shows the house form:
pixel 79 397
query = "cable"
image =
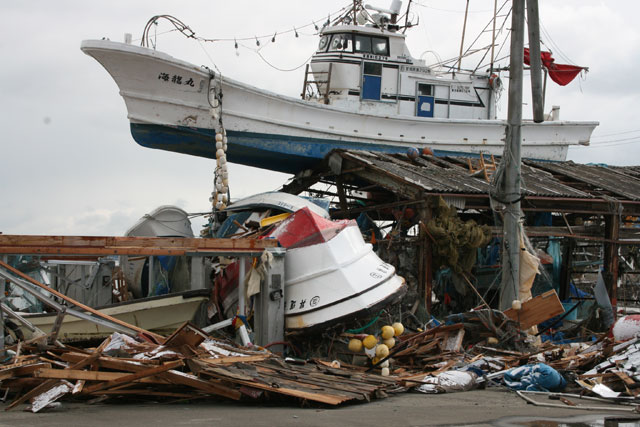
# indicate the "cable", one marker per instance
pixel 618 133
pixel 449 10
pixel 189 33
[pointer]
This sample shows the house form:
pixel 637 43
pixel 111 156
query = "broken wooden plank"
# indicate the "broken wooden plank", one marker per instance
pixel 194 382
pixel 21 370
pixel 229 360
pixel 536 310
pixel 63 374
pixel 186 334
pixel 135 376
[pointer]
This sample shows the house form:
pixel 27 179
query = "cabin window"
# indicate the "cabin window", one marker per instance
pixel 379 46
pixel 363 44
pixel 374 45
pixel 324 42
pixel 373 68
pixel 341 43
pixel 425 89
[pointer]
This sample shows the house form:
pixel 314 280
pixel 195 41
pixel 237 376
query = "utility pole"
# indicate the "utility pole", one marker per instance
pixel 512 158
pixel 533 21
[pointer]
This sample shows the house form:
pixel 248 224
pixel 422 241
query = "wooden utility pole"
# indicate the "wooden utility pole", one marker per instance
pixel 535 61
pixel 512 159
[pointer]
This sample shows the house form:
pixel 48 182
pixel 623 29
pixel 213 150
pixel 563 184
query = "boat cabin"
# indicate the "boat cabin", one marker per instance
pixel 370 69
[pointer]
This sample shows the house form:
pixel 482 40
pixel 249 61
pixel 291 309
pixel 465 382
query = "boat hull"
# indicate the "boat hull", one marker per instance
pixel 172 106
pixel 161 315
pixel 336 280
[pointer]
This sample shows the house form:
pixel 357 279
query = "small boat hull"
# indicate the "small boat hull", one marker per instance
pixel 161 315
pixel 331 274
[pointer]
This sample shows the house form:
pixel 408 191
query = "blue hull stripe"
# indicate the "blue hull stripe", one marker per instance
pixel 281 153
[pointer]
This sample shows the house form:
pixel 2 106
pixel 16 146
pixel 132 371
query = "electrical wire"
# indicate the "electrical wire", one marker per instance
pixel 189 33
pixel 449 10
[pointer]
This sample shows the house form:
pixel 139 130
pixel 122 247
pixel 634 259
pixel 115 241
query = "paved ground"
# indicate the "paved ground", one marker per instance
pixel 479 407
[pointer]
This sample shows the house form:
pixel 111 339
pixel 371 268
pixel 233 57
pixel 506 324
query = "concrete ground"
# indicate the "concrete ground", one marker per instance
pixel 479 407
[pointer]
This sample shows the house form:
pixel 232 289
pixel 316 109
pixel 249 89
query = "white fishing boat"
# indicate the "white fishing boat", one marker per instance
pixel 370 93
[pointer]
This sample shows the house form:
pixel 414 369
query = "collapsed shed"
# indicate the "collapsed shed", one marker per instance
pixel 587 211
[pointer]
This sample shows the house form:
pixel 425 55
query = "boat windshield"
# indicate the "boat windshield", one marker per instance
pixel 341 43
pixel 324 42
pixel 374 45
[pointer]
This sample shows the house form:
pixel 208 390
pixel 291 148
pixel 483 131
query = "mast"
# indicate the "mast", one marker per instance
pixel 493 35
pixel 464 29
pixel 490 110
pixel 510 185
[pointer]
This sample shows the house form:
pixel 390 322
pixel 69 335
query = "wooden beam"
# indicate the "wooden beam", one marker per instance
pixel 115 245
pixel 611 260
pixel 149 372
pixel 78 374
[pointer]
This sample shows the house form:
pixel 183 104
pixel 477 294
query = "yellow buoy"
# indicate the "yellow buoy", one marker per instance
pixel 370 341
pixel 375 360
pixel 355 345
pixel 382 351
pixel 387 332
pixel 398 328
pixel 389 342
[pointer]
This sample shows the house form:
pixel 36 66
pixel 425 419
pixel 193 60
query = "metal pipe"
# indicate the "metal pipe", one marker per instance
pixel 588 408
pixel 152 278
pixel 22 320
pixel 244 336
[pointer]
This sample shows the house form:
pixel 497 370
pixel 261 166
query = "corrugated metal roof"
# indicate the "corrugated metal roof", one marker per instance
pixel 543 179
pixel 597 180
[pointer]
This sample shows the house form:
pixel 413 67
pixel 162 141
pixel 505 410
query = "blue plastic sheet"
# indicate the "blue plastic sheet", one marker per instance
pixel 535 377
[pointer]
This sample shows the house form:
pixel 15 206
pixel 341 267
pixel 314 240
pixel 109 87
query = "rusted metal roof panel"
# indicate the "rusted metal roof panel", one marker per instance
pixel 452 175
pixel 621 183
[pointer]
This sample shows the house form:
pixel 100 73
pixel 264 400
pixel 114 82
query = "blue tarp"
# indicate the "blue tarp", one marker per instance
pixel 535 377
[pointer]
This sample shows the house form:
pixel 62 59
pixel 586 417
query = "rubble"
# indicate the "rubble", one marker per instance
pixel 123 367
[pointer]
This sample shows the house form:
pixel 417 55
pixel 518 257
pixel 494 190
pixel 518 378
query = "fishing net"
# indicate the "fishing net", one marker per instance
pixel 455 242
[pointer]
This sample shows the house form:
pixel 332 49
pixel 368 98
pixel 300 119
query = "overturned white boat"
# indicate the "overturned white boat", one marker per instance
pixel 370 93
pixel 331 274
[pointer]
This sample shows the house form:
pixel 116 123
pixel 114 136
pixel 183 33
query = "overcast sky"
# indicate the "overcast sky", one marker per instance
pixel 71 167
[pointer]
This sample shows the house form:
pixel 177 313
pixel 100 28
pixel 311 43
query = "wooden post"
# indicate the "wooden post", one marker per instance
pixel 511 185
pixel 535 61
pixel 2 291
pixel 611 261
pixel 565 270
pixel 342 196
pixel 426 261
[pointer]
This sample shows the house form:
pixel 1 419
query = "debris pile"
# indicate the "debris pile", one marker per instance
pixel 188 365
